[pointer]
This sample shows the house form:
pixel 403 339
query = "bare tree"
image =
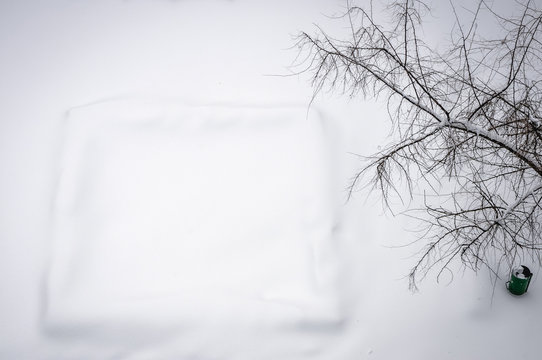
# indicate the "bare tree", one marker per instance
pixel 467 123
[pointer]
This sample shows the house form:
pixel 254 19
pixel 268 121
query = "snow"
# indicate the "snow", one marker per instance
pixel 108 90
pixel 163 210
pixel 520 273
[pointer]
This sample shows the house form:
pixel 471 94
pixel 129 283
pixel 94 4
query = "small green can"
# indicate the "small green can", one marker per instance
pixel 520 278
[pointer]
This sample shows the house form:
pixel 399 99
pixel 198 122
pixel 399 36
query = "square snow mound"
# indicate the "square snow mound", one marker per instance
pixel 206 221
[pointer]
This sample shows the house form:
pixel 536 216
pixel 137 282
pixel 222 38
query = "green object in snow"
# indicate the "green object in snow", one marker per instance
pixel 520 278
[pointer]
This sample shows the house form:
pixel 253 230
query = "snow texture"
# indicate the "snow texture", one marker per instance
pixel 213 219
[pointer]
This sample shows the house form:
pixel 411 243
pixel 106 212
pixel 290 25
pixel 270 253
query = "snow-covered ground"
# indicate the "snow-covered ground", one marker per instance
pixel 111 109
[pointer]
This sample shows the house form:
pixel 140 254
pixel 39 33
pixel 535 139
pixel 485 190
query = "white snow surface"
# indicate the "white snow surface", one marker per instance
pixel 105 105
pixel 212 222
